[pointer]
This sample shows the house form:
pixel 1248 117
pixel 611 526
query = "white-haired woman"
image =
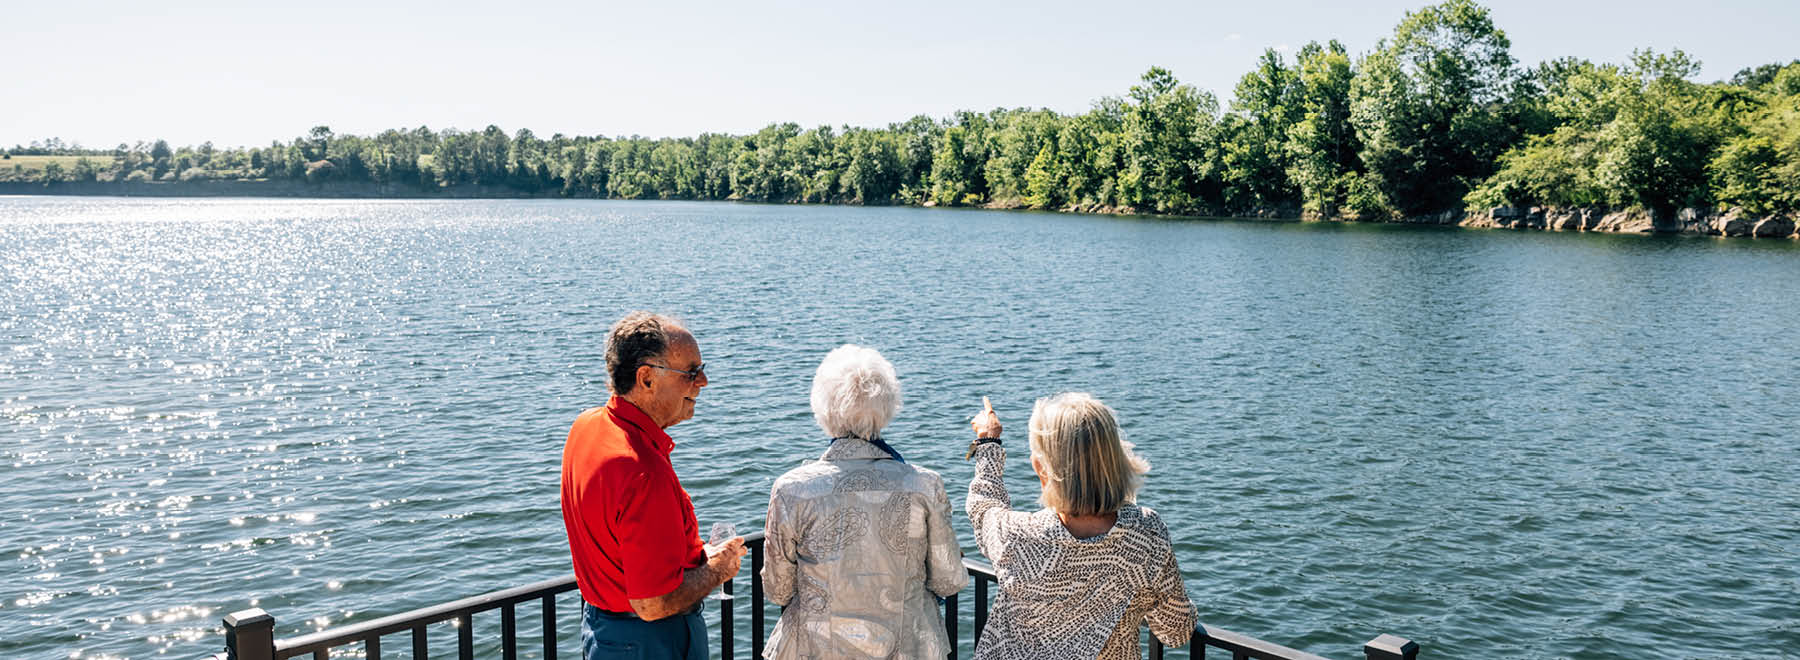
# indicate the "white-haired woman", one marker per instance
pixel 859 542
pixel 1078 577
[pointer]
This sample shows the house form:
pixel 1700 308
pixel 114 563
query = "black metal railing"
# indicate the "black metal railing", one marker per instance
pixel 250 634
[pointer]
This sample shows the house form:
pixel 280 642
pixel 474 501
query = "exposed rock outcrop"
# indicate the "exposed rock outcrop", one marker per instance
pixel 1733 222
pixel 1776 227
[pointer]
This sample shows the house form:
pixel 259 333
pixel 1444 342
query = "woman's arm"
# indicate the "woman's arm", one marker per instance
pixel 780 545
pixel 1174 618
pixel 944 572
pixel 988 503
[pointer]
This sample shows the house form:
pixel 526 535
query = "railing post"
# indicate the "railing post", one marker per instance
pixel 950 615
pixel 1389 647
pixel 550 625
pixel 756 599
pixel 725 619
pixel 981 606
pixel 250 635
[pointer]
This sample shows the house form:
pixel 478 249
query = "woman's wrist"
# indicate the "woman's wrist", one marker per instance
pixel 978 443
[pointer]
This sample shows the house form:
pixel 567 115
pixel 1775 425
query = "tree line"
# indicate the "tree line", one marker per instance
pixel 1438 117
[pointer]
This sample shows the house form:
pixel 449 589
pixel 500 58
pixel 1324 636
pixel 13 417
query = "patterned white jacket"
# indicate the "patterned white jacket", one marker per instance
pixel 854 541
pixel 1063 597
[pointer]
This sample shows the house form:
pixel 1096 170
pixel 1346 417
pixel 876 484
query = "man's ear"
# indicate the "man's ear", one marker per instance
pixel 643 376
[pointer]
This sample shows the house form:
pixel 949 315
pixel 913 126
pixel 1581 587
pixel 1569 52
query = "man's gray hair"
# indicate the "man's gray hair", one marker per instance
pixel 855 393
pixel 633 342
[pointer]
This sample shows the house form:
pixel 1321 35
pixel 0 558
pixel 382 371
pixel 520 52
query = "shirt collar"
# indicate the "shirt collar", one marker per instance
pixel 844 449
pixel 628 412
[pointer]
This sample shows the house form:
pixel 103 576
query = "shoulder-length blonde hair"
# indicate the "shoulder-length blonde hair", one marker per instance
pixel 1088 469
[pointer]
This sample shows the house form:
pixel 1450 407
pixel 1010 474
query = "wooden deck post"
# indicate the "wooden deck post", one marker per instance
pixel 250 635
pixel 1389 647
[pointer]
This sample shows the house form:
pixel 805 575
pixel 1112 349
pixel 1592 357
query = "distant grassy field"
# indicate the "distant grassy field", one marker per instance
pixel 34 163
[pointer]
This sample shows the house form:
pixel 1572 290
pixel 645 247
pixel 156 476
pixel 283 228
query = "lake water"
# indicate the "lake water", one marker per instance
pixel 1496 444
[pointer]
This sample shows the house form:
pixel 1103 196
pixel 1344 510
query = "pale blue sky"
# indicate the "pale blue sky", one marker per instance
pixel 245 72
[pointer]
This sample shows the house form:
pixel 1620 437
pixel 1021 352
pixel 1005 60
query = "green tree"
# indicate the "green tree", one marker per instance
pixel 958 167
pixel 317 144
pixel 1165 165
pixel 1322 146
pixel 1429 106
pixel 875 173
pixel 1090 151
pixel 1654 152
pixel 1253 136
pixel 1043 187
pixel 917 143
pixel 84 171
pixel 160 157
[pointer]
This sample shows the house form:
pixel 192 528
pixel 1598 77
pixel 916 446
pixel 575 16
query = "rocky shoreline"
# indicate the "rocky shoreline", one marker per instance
pixel 1734 222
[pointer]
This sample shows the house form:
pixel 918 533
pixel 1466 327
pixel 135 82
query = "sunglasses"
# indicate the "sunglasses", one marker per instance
pixel 698 372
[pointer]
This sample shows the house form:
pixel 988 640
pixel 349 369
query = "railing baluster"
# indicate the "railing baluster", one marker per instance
pixel 1156 647
pixel 372 647
pixel 550 627
pixel 419 652
pixel 981 606
pixel 1197 644
pixel 950 622
pixel 756 599
pixel 465 636
pixel 1240 655
pixel 725 622
pixel 322 654
pixel 509 633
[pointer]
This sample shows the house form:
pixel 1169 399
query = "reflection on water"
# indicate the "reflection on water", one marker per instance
pixel 1498 444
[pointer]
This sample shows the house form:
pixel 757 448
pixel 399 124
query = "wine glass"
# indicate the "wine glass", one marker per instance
pixel 721 532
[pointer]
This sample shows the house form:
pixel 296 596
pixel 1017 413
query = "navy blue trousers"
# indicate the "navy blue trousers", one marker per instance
pixel 607 636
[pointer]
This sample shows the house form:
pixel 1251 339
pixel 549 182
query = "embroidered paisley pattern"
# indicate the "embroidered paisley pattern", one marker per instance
pixel 843 528
pixel 895 522
pixel 852 591
pixel 856 482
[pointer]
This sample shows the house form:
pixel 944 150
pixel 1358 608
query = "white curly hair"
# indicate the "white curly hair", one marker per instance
pixel 855 393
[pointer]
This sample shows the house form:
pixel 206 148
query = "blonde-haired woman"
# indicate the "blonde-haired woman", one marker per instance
pixel 859 543
pixel 1078 577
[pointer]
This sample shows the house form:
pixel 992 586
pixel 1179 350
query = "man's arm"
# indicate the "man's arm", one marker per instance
pixel 721 565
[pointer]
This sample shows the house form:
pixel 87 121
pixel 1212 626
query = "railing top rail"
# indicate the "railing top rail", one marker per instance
pixel 1238 643
pixel 330 637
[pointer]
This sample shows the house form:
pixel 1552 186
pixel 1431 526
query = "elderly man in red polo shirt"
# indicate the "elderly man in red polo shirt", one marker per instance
pixel 636 546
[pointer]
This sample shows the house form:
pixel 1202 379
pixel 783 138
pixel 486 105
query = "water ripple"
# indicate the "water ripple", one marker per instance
pixel 1498 444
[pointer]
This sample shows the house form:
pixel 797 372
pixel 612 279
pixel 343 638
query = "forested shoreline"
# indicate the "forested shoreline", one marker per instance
pixel 1438 122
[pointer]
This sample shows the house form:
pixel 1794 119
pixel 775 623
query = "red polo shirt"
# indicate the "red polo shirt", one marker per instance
pixel 631 526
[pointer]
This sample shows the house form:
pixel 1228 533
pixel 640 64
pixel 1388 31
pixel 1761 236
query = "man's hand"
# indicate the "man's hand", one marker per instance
pixel 722 563
pixel 726 559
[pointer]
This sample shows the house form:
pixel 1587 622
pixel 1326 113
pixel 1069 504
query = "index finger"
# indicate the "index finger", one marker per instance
pixel 987 405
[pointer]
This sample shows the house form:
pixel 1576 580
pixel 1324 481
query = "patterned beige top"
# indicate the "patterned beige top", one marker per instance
pixel 1064 597
pixel 853 542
